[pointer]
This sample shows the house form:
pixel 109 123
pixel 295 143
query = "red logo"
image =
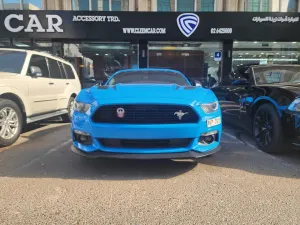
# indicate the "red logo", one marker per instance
pixel 120 112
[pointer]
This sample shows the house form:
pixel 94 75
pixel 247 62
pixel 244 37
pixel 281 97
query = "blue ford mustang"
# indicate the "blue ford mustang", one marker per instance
pixel 146 114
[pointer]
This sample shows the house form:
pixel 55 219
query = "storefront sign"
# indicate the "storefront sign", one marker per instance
pixel 96 19
pixel 54 23
pixel 188 23
pixel 280 19
pixel 221 30
pixel 150 26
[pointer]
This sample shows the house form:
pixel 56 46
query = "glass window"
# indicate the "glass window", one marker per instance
pixel 206 5
pixel 62 70
pixel 157 77
pixel 54 69
pixel 257 6
pixel 11 61
pixel 21 43
pixel 105 5
pixel 185 5
pixel 101 59
pixel 194 59
pixel 4 42
pixel 163 5
pixel 11 4
pixel 69 71
pixel 257 53
pixel 116 5
pixel 277 74
pixel 80 4
pixel 33 5
pixel 39 61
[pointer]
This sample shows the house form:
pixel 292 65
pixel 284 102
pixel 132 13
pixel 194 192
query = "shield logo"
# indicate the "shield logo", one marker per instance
pixel 120 112
pixel 188 23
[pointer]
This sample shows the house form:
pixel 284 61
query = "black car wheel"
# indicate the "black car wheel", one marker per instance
pixel 267 129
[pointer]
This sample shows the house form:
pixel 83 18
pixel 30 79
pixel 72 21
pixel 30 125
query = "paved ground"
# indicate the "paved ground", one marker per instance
pixel 42 182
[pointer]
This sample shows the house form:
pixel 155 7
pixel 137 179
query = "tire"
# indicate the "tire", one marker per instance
pixel 15 124
pixel 68 117
pixel 267 129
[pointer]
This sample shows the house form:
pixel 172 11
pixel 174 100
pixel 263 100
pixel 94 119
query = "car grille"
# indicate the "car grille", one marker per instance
pixel 151 143
pixel 145 114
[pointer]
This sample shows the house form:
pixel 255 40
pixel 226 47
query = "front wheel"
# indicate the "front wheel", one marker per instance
pixel 68 117
pixel 11 122
pixel 267 129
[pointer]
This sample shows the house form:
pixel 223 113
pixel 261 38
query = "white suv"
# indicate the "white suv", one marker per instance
pixel 33 86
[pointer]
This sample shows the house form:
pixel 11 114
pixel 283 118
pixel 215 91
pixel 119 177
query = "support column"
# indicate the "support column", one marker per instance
pixel 143 53
pixel 226 58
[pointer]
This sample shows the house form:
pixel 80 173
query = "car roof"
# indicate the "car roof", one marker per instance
pixel 36 52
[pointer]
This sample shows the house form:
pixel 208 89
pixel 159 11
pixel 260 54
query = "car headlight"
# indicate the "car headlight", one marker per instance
pixel 81 107
pixel 210 107
pixel 295 105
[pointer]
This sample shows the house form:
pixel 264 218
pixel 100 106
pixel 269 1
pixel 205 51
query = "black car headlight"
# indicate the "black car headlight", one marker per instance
pixel 295 105
pixel 81 107
pixel 210 107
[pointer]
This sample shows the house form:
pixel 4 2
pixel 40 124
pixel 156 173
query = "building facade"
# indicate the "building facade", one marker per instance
pixel 102 36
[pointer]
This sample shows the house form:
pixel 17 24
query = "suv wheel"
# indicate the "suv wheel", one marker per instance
pixel 68 117
pixel 11 122
pixel 267 129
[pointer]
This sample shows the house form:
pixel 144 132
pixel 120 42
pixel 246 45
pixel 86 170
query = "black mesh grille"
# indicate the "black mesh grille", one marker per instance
pixel 145 114
pixel 151 143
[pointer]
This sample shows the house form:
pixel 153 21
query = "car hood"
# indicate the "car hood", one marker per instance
pixel 150 92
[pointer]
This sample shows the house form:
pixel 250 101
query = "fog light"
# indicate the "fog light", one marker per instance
pixel 82 137
pixel 208 138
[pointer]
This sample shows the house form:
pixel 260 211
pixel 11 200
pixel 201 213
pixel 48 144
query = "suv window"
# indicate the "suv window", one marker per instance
pixel 69 71
pixel 11 61
pixel 62 70
pixel 54 69
pixel 39 61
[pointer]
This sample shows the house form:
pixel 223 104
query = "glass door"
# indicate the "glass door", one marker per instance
pixel 194 59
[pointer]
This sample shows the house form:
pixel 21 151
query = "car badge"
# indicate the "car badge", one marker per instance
pixel 120 112
pixel 180 114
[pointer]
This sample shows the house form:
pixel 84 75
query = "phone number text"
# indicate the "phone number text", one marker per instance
pixel 221 30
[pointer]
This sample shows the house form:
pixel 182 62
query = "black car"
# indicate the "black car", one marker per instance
pixel 264 99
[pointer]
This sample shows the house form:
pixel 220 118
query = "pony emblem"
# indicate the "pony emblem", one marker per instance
pixel 180 114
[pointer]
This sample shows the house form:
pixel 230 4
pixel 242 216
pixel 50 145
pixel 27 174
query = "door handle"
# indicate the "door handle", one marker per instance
pixel 51 83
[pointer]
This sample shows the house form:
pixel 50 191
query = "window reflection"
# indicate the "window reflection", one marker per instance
pixel 33 5
pixel 185 5
pixel 163 5
pixel 257 6
pixel 206 5
pixel 245 53
pixel 11 4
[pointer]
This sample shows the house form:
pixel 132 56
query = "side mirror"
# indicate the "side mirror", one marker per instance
pixel 36 71
pixel 240 81
pixel 99 83
pixel 197 83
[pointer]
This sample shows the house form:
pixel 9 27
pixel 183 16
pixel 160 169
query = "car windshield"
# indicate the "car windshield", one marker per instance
pixel 11 61
pixel 146 77
pixel 277 74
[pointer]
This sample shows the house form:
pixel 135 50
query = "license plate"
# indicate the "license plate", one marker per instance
pixel 214 122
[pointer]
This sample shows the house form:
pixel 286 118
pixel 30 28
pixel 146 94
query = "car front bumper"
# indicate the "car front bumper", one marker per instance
pixel 181 155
